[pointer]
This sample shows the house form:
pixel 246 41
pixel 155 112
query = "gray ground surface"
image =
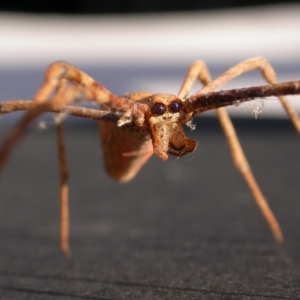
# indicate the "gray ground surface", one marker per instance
pixel 183 229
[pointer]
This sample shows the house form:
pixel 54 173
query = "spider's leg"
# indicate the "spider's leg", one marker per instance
pixel 197 70
pixel 239 158
pixel 63 97
pixel 54 93
pixel 267 71
pixel 64 191
pixel 46 98
pixel 11 140
pixel 241 163
pixel 59 72
pixel 63 180
pixel 10 106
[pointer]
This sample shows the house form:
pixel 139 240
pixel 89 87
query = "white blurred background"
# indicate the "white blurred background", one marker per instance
pixel 150 52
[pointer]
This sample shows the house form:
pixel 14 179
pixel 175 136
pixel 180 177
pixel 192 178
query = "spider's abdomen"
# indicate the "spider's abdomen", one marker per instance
pixel 125 150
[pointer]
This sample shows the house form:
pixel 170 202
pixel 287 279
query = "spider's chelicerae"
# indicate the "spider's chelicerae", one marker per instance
pixel 134 126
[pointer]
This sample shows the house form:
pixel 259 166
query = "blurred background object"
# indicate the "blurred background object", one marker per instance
pixel 128 6
pixel 149 51
pixel 149 46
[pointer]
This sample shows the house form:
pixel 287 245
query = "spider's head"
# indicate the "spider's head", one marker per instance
pixel 165 119
pixel 164 108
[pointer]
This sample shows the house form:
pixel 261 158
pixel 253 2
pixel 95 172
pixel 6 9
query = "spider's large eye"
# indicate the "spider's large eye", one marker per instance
pixel 158 109
pixel 175 106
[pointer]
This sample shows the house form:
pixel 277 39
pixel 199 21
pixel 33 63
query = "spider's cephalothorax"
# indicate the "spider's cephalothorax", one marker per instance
pixel 165 119
pixel 162 133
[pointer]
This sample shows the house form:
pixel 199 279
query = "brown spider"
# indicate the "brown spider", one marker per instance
pixel 134 126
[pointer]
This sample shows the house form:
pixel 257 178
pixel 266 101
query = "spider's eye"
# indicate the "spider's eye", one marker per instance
pixel 175 106
pixel 158 109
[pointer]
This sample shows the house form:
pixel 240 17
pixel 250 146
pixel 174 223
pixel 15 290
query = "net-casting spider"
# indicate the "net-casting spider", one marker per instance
pixel 134 126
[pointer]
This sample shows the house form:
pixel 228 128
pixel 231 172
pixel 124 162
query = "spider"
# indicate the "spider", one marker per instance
pixel 134 126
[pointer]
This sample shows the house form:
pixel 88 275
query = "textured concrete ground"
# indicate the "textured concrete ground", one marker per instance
pixel 183 229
